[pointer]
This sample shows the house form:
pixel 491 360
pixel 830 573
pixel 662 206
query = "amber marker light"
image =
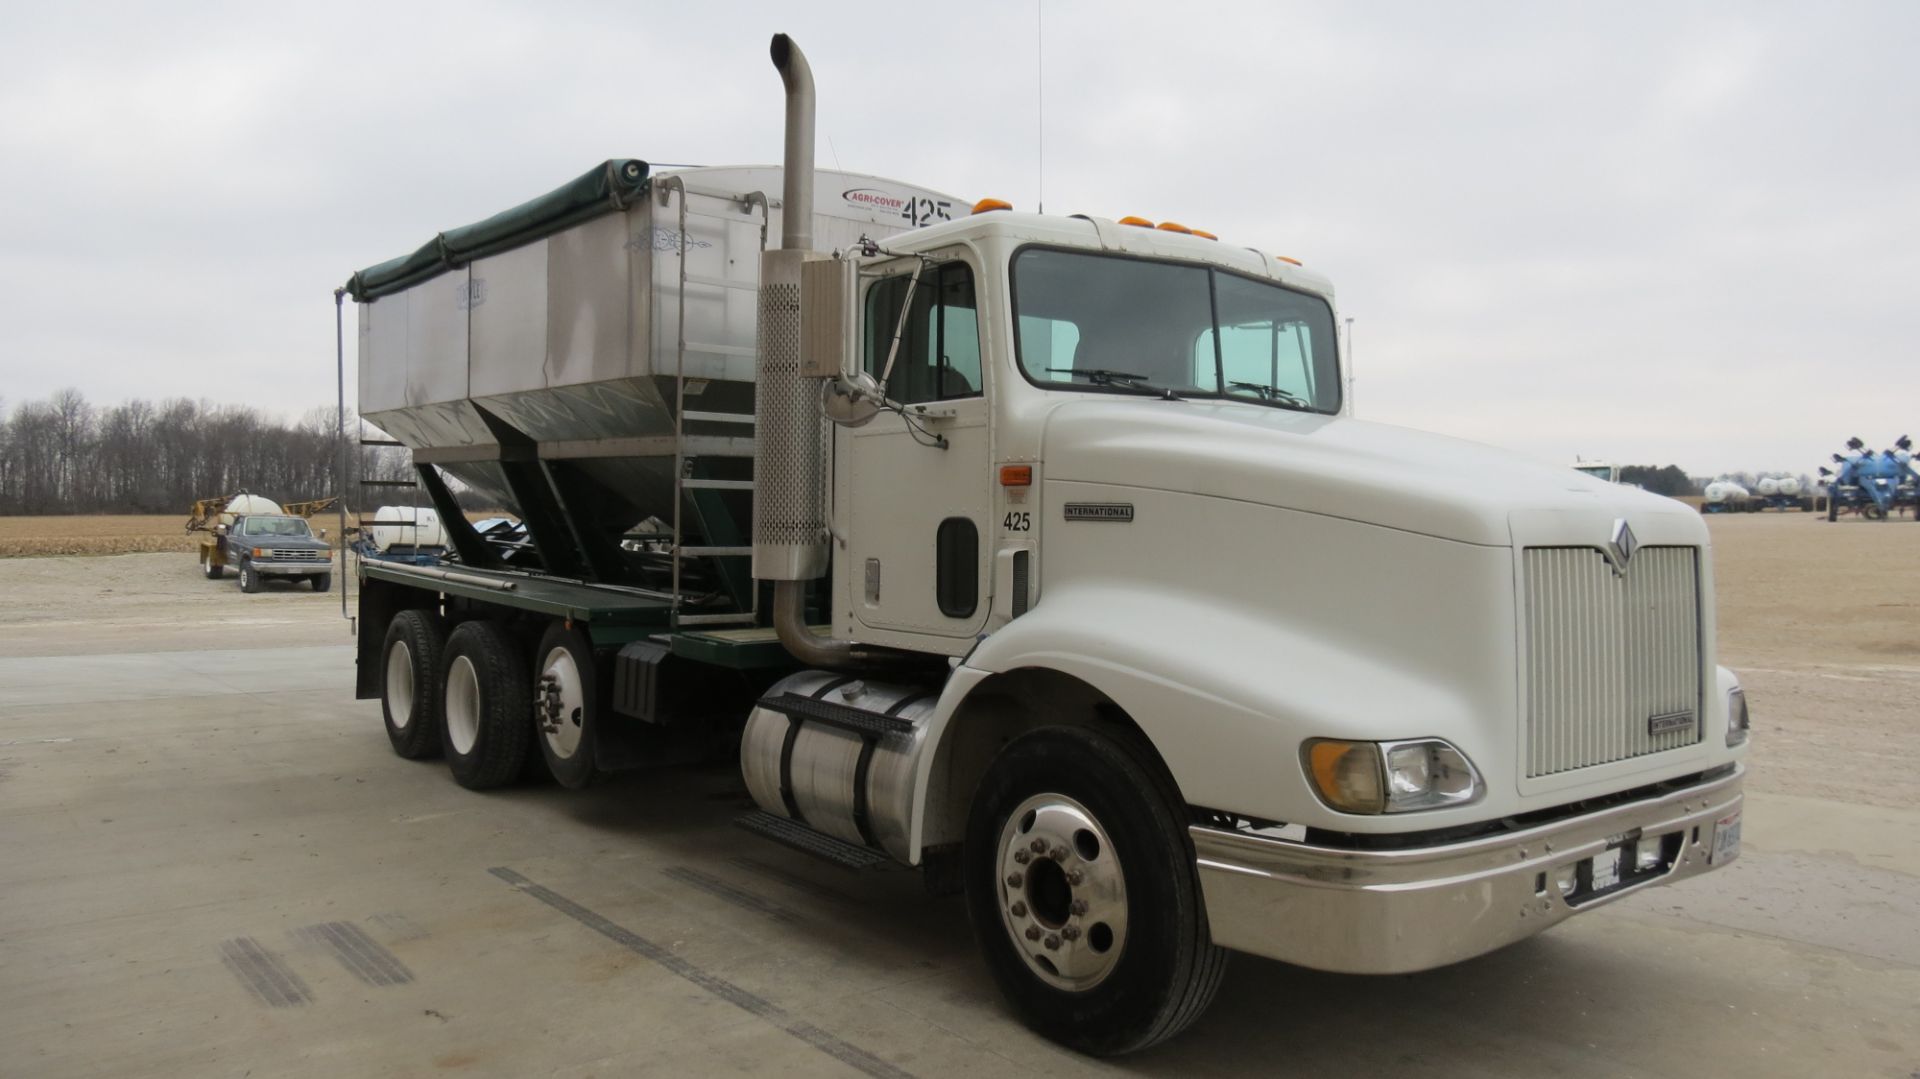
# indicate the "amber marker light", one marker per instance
pixel 1288 261
pixel 985 206
pixel 1203 234
pixel 1016 475
pixel 1136 222
pixel 1174 226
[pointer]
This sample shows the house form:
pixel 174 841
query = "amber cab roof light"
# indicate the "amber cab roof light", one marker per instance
pixel 990 205
pixel 1136 222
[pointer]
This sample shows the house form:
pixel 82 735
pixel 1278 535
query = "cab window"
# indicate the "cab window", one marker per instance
pixel 939 357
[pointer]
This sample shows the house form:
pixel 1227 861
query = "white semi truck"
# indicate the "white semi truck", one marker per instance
pixel 1036 552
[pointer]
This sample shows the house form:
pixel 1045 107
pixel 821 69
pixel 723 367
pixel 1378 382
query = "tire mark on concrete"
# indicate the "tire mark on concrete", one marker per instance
pixel 264 974
pixel 363 956
pixel 845 1052
pixel 727 893
pixel 793 880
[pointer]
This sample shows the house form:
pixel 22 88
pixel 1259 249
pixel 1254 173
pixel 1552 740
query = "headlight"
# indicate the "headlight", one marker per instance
pixel 259 552
pixel 1390 777
pixel 1738 723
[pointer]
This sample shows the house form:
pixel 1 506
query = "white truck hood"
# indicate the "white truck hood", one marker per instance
pixel 1369 472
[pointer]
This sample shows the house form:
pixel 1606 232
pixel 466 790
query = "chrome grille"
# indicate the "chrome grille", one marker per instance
pixel 1609 656
pixel 296 554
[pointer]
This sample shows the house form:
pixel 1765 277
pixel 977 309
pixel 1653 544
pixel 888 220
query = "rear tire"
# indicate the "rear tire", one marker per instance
pixel 250 579
pixel 566 717
pixel 485 700
pixel 1099 941
pixel 322 581
pixel 410 683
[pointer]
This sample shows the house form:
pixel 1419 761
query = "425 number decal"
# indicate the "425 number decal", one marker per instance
pixel 919 212
pixel 1021 521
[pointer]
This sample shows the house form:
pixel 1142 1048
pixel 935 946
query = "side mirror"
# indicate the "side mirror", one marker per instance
pixel 829 341
pixel 828 334
pixel 323 533
pixel 219 530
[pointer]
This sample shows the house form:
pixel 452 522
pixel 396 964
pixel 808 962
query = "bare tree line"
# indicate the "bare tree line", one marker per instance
pixel 67 455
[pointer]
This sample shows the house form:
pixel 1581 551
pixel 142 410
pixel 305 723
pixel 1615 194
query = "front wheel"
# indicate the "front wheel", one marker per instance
pixel 1084 896
pixel 250 579
pixel 321 581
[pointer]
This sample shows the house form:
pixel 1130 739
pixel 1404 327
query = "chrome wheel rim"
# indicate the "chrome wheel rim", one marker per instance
pixel 560 701
pixel 400 685
pixel 1063 892
pixel 463 705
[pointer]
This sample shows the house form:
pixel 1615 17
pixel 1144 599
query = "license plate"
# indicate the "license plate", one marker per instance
pixel 1726 839
pixel 1606 869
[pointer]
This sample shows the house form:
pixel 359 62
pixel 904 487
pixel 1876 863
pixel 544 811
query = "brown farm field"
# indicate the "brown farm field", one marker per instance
pixel 32 537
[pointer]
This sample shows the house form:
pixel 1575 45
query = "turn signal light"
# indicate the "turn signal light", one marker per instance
pixel 989 205
pixel 1136 222
pixel 1016 475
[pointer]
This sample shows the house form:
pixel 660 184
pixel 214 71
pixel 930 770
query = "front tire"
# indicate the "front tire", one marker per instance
pixel 1084 896
pixel 250 579
pixel 484 703
pixel 410 683
pixel 322 581
pixel 566 705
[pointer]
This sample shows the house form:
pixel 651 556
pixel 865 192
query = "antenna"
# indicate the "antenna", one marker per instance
pixel 1040 104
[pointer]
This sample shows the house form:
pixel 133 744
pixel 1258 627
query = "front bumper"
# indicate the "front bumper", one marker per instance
pixel 290 569
pixel 1395 911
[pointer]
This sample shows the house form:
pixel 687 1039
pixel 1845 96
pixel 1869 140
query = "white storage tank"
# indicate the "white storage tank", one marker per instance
pixel 243 504
pixel 404 526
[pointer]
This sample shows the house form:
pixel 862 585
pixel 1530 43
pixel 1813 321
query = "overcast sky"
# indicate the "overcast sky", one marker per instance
pixel 1658 232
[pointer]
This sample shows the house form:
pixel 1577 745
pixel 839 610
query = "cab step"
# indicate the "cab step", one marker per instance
pixel 829 714
pixel 791 833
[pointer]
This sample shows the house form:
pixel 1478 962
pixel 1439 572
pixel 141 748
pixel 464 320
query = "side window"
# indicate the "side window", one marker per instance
pixel 939 357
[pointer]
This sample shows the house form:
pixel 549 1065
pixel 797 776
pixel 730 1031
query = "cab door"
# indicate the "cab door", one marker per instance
pixel 913 486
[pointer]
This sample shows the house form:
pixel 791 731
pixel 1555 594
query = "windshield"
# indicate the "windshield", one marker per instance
pixel 277 526
pixel 1126 325
pixel 1598 472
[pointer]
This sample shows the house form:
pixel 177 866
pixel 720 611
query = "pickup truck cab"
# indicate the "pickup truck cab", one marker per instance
pixel 273 545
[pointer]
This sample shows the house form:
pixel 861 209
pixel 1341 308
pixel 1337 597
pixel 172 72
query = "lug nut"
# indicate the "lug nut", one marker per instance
pixel 1053 942
pixel 1033 932
pixel 1019 910
pixel 1014 880
pixel 1071 932
pixel 1039 846
pixel 1022 857
pixel 1058 854
pixel 1079 907
pixel 1074 877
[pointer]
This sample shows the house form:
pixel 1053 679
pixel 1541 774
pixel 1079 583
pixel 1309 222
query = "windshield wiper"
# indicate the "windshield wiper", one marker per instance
pixel 1274 395
pixel 1104 376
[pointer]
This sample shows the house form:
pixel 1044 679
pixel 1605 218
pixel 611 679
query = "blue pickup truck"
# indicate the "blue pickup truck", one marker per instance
pixel 261 545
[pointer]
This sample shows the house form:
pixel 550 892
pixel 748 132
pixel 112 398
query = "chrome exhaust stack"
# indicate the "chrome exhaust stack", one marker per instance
pixel 790 531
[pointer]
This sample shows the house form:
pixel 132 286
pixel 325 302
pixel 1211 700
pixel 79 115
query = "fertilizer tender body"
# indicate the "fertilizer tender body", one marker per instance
pixel 1041 554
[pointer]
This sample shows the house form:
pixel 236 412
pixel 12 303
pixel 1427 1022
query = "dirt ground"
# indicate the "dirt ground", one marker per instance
pixel 1822 622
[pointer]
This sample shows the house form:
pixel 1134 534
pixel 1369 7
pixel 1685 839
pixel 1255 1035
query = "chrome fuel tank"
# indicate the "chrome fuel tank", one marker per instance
pixel 852 787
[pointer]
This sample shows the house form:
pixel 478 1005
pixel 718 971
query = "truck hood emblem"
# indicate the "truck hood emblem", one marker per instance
pixel 1621 546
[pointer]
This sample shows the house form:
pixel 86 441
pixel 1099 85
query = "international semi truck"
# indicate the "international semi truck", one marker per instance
pixel 1040 553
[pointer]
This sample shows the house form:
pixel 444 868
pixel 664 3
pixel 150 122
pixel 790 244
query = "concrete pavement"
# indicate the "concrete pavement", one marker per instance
pixel 214 866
